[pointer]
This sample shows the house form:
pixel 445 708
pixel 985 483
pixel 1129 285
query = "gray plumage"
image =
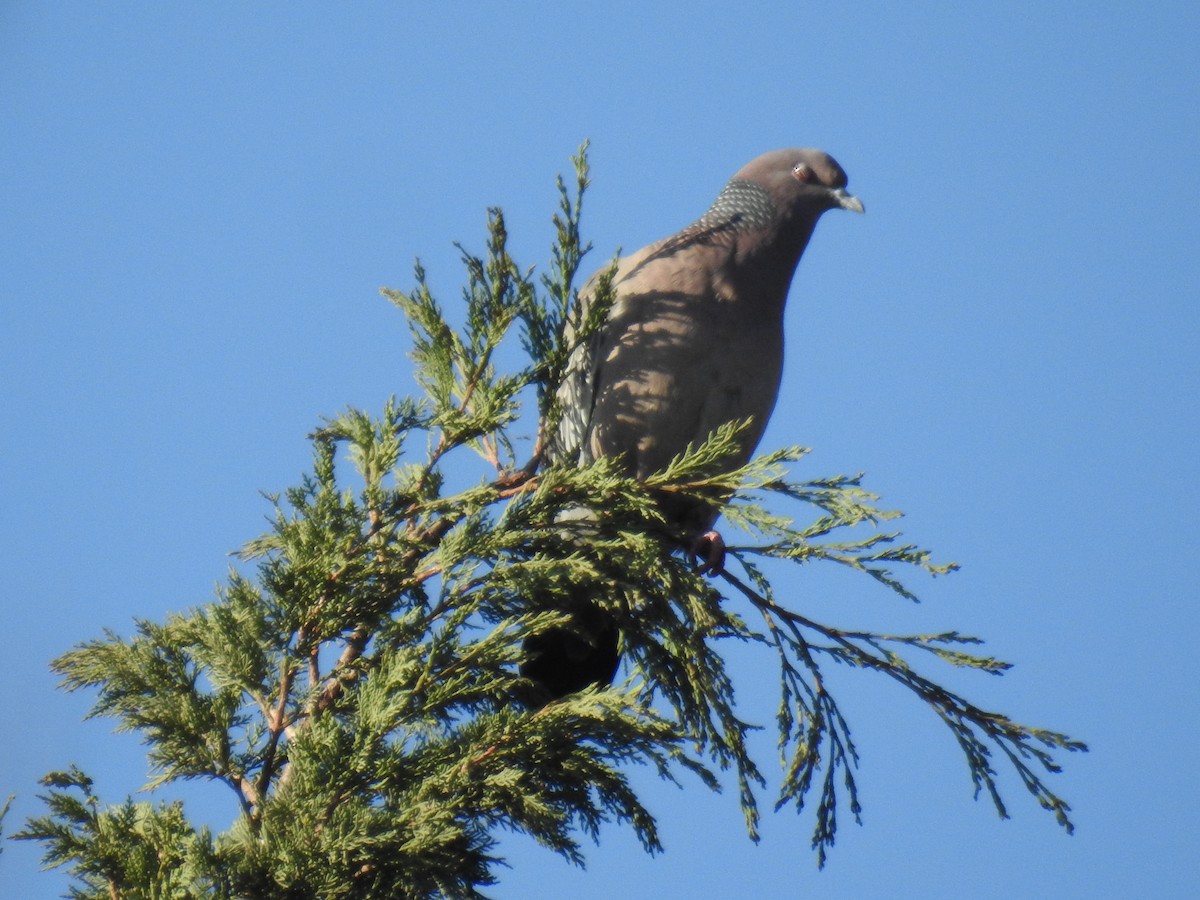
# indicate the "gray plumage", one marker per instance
pixel 694 339
pixel 695 335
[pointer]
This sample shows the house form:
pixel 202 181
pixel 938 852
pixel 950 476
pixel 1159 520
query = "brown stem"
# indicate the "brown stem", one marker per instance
pixel 277 724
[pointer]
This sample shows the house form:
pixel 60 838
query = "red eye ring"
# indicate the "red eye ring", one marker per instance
pixel 803 172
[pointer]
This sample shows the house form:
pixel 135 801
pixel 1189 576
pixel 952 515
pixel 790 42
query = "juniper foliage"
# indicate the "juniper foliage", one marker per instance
pixel 354 682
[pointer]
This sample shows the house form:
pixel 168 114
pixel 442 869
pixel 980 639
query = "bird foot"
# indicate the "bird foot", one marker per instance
pixel 709 551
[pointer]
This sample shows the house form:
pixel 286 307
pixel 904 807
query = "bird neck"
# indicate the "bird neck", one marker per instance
pixel 770 256
pixel 742 207
pixel 766 241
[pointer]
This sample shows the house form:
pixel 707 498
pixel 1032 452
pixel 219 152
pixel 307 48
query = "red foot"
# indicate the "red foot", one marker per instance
pixel 709 549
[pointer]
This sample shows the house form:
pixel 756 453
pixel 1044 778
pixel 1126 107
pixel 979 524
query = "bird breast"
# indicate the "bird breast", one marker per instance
pixel 676 365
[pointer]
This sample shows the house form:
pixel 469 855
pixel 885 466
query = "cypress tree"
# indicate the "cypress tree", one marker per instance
pixel 356 682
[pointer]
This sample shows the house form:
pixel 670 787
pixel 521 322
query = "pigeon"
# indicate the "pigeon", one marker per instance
pixel 693 340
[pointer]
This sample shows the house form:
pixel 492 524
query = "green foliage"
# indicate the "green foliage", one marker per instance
pixel 130 850
pixel 354 682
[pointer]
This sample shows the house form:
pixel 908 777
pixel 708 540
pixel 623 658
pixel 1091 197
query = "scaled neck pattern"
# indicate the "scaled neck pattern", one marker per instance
pixel 747 217
pixel 742 206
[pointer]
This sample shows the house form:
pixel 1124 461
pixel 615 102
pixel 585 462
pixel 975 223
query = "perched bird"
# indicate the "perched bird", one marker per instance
pixel 694 339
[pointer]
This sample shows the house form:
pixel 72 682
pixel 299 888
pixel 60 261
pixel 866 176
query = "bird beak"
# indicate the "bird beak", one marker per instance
pixel 846 201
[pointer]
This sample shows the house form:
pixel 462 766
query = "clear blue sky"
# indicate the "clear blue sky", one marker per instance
pixel 200 202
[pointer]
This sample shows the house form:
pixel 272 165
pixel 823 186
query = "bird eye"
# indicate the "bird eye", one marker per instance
pixel 803 172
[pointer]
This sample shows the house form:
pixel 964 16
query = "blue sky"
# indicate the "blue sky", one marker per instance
pixel 201 202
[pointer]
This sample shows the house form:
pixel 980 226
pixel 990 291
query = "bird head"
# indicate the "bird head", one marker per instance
pixel 776 199
pixel 801 181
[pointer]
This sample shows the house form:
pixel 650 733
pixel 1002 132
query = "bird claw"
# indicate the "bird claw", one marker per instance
pixel 709 550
